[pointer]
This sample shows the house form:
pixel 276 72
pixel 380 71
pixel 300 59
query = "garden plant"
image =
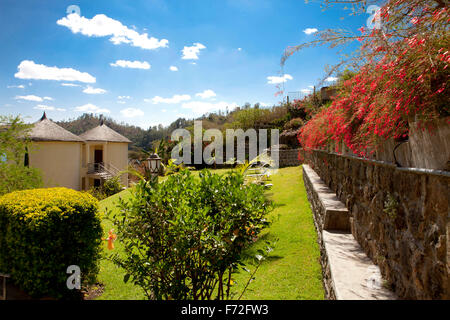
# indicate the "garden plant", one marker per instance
pixel 184 237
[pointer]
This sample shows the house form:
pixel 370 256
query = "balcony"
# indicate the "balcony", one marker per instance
pixel 102 170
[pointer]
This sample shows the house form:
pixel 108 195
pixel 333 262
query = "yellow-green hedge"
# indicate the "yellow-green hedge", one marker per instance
pixel 42 232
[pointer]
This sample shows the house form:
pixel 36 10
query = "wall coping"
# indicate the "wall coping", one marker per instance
pixel 435 172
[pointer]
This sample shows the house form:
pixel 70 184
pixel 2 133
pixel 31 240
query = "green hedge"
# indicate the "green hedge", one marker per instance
pixel 42 232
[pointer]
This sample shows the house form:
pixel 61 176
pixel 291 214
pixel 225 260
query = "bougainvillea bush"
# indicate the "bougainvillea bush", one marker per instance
pixel 403 77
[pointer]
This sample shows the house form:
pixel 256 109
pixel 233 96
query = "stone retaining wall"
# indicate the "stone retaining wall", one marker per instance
pixel 399 216
pixel 287 157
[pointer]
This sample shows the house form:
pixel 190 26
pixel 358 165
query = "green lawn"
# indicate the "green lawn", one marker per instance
pixel 292 270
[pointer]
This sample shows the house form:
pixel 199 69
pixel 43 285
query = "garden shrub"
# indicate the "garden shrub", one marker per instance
pixel 294 124
pixel 42 232
pixel 112 186
pixel 18 177
pixel 184 237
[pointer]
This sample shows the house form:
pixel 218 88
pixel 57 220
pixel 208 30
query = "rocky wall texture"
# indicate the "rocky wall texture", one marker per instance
pixel 399 216
pixel 287 157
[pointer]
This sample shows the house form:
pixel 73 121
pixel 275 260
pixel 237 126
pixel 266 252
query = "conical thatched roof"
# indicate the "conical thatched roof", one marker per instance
pixel 103 133
pixel 47 130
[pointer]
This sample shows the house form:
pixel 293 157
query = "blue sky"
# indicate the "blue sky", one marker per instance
pixel 118 57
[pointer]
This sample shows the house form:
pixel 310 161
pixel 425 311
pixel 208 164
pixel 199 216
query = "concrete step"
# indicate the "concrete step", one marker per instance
pixel 354 276
pixel 348 273
pixel 335 215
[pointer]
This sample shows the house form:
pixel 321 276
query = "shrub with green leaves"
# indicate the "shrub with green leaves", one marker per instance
pixel 184 237
pixel 14 145
pixel 112 186
pixel 42 232
pixel 18 177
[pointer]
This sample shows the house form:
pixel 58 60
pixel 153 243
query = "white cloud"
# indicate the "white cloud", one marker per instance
pixel 173 68
pixel 30 70
pixel 47 108
pixel 44 107
pixel 20 86
pixel 70 85
pixel 239 49
pixel 276 80
pixel 331 79
pixel 103 26
pixel 201 107
pixel 91 90
pixel 312 87
pixel 132 112
pixel 305 91
pixel 90 108
pixel 309 31
pixel 131 64
pixel 122 98
pixel 174 100
pixel 206 94
pixel 29 98
pixel 191 53
pixel 48 98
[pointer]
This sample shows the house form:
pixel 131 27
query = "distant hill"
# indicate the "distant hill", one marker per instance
pixel 244 117
pixel 140 138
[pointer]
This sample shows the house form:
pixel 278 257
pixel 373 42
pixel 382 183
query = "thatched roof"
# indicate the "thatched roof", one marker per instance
pixel 47 130
pixel 103 133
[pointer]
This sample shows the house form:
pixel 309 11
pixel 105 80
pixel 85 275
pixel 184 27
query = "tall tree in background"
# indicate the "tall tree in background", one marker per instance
pixel 14 145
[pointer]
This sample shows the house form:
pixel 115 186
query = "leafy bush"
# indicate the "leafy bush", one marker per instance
pixel 109 188
pixel 17 177
pixel 42 232
pixel 184 237
pixel 14 145
pixel 294 124
pixel 112 186
pixel 97 193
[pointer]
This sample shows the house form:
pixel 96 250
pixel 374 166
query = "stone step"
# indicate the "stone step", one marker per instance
pixel 348 273
pixel 334 215
pixel 353 274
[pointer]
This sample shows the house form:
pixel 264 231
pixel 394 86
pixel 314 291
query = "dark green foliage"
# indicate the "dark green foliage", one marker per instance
pixel 14 144
pixel 109 188
pixel 42 232
pixel 17 177
pixel 183 238
pixel 112 186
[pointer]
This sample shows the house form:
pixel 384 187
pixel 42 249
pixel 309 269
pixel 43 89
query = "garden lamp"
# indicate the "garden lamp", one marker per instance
pixel 154 165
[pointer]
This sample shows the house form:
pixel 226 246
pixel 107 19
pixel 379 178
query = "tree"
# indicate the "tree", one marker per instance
pixel 14 146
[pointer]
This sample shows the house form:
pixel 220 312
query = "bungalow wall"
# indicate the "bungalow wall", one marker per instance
pixel 60 163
